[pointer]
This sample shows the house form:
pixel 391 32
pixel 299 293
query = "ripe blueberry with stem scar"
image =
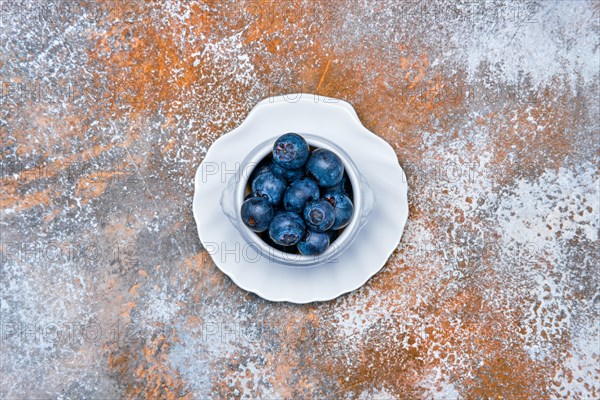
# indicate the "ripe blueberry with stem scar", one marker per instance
pixel 313 243
pixel 257 213
pixel 290 151
pixel 286 228
pixel 319 215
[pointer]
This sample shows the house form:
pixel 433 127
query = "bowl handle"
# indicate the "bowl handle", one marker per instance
pixel 369 200
pixel 227 201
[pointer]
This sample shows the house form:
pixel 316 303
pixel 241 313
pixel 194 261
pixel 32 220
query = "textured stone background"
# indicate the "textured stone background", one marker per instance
pixel 108 108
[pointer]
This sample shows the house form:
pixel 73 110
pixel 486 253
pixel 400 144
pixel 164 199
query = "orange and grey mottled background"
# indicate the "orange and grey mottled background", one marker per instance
pixel 107 109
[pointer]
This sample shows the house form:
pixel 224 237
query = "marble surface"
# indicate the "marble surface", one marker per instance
pixel 108 108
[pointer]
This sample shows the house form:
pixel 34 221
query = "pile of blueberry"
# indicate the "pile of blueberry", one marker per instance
pixel 300 197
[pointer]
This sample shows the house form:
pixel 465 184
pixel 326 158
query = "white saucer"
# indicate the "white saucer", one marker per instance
pixel 337 121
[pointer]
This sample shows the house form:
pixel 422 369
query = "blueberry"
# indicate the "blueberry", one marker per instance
pixel 313 243
pixel 286 249
pixel 270 186
pixel 289 175
pixel 290 151
pixel 299 193
pixel 261 168
pixel 325 167
pixel 343 186
pixel 257 213
pixel 319 215
pixel 343 208
pixel 286 228
pixel 332 234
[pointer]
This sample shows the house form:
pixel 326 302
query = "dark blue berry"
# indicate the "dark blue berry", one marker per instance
pixel 287 249
pixel 289 175
pixel 257 213
pixel 286 228
pixel 333 234
pixel 270 186
pixel 290 151
pixel 319 215
pixel 343 186
pixel 313 243
pixel 299 193
pixel 325 167
pixel 343 208
pixel 261 168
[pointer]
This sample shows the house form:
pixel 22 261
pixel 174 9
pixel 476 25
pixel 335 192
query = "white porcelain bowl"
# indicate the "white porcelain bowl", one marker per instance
pixel 233 197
